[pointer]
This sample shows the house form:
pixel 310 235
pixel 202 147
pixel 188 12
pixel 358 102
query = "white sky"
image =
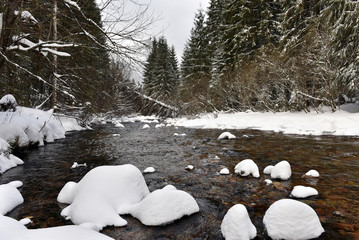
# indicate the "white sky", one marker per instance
pixel 176 20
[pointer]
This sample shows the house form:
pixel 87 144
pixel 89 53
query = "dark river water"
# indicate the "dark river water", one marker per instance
pixel 48 168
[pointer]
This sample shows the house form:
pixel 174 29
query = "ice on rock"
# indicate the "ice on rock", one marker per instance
pixel 102 192
pixel 303 192
pixel 312 173
pixel 14 230
pixel 10 197
pixel 292 219
pixel 149 170
pixel 247 167
pixel 226 135
pixel 67 193
pixel 268 169
pixel 224 171
pixel 237 225
pixel 282 171
pixel 163 206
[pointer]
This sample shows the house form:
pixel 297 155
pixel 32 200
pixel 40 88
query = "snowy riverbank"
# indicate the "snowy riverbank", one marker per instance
pixel 27 126
pixel 343 122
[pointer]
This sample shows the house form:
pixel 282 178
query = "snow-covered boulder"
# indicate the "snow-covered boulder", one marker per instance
pixel 146 126
pixel 247 167
pixel 312 173
pixel 102 192
pixel 237 225
pixel 67 193
pixel 118 124
pixel 291 219
pixel 14 230
pixel 303 192
pixel 268 169
pixel 224 171
pixel 149 170
pixel 10 197
pixel 226 135
pixel 8 103
pixel 281 170
pixel 163 206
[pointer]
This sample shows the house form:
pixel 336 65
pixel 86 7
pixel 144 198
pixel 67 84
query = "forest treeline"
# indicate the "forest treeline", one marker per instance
pixel 271 55
pixel 58 54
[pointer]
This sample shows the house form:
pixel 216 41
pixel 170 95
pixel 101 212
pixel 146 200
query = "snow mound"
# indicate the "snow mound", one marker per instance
pixel 237 225
pixel 312 173
pixel 10 197
pixel 226 135
pixel 247 167
pixel 67 193
pixel 14 230
pixel 224 171
pixel 268 169
pixel 291 219
pixel 282 171
pixel 102 192
pixel 149 170
pixel 303 192
pixel 164 206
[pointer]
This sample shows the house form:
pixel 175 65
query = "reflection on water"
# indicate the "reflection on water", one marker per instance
pixel 48 168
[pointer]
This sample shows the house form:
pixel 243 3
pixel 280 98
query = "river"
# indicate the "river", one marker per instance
pixel 48 168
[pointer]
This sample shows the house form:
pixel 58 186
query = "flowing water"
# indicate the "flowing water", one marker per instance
pixel 48 168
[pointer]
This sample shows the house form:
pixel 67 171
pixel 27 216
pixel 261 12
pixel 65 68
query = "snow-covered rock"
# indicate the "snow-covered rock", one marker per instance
pixel 291 219
pixel 149 170
pixel 237 225
pixel 169 187
pixel 312 173
pixel 76 165
pixel 268 181
pixel 281 170
pixel 160 125
pixel 8 162
pixel 10 197
pixel 224 171
pixel 189 167
pixel 179 134
pixel 14 230
pixel 146 126
pixel 268 169
pixel 25 221
pixel 303 192
pixel 118 124
pixel 102 192
pixel 67 193
pixel 163 206
pixel 247 167
pixel 8 102
pixel 226 135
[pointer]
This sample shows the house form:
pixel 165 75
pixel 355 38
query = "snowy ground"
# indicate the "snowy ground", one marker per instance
pixel 341 123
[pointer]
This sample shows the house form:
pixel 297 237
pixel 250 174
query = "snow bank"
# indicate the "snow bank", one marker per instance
pixel 162 207
pixel 237 225
pixel 247 167
pixel 313 123
pixel 14 230
pixel 101 193
pixel 303 192
pixel 281 170
pixel 291 219
pixel 10 197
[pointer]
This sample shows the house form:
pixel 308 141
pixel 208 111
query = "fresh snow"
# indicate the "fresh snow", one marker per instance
pixel 303 192
pixel 281 170
pixel 247 167
pixel 102 192
pixel 226 135
pixel 292 219
pixel 224 171
pixel 10 197
pixel 268 169
pixel 149 170
pixel 237 225
pixel 312 173
pixel 163 206
pixel 14 230
pixel 341 122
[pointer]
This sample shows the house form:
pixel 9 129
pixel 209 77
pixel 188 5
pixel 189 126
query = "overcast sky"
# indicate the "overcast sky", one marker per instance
pixel 176 20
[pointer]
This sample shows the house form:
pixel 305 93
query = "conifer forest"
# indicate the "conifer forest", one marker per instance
pixel 264 55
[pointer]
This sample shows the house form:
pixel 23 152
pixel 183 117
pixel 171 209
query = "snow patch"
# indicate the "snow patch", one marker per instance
pixel 291 219
pixel 236 224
